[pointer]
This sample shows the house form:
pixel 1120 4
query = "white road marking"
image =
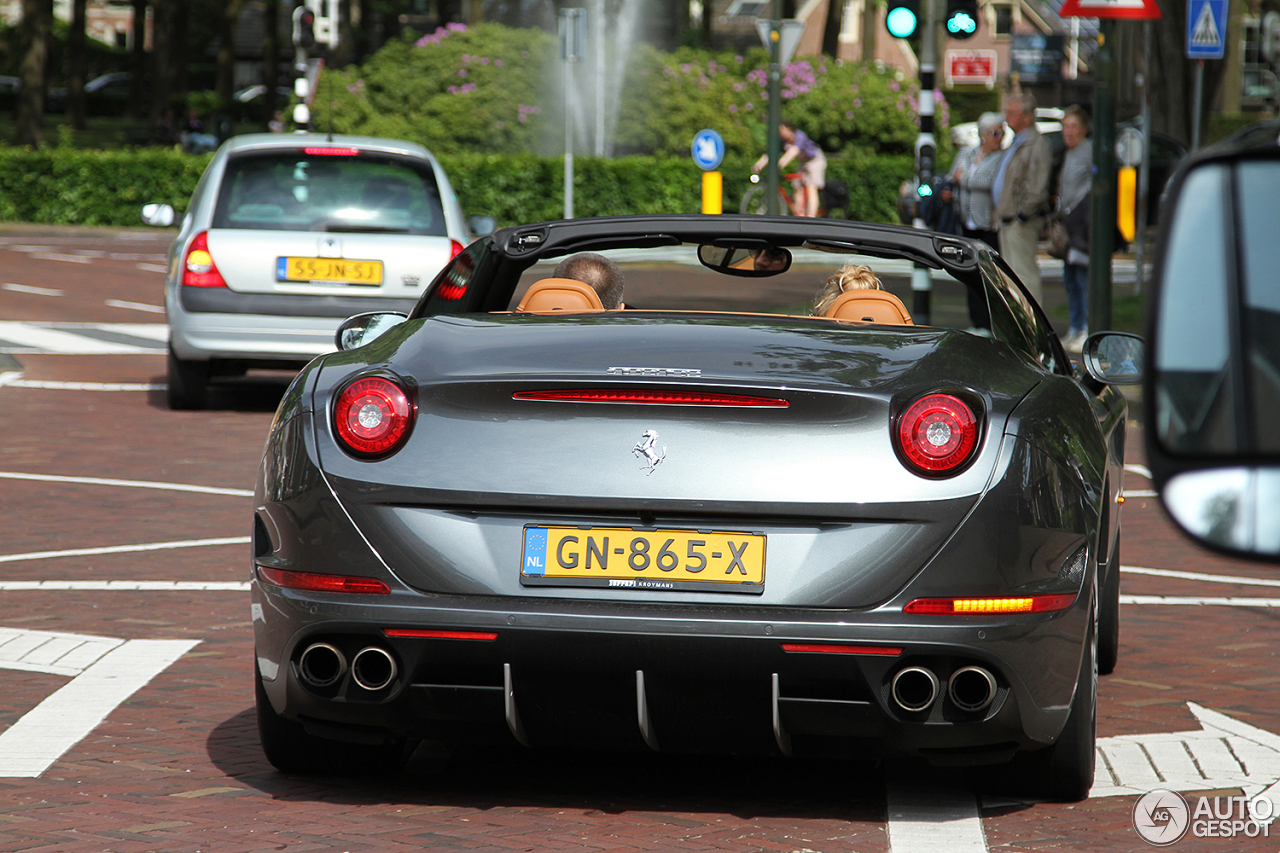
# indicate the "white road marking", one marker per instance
pixel 1199 601
pixel 136 306
pixel 54 256
pixel 1201 576
pixel 151 331
pixel 124 586
pixel 80 338
pixel 123 549
pixel 1223 753
pixel 134 484
pixel 926 820
pixel 51 652
pixel 1140 493
pixel 35 291
pixel 1140 470
pixel 40 737
pixel 153 268
pixel 86 386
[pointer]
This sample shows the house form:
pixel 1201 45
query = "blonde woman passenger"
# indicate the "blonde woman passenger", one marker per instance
pixel 851 276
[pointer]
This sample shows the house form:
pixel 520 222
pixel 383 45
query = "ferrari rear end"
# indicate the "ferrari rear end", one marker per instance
pixel 679 532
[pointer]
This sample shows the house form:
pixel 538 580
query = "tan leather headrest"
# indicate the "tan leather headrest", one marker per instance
pixel 560 294
pixel 872 306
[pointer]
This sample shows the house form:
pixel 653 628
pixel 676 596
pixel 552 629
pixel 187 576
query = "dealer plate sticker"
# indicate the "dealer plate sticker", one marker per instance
pixel 633 558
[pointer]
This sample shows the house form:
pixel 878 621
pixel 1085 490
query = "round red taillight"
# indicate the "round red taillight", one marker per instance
pixel 937 433
pixel 372 416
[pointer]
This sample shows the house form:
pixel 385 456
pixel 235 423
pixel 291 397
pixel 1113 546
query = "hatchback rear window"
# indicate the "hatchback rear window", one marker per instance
pixel 297 191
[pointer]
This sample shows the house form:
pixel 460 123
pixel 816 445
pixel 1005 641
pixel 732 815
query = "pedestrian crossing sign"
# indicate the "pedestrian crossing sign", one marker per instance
pixel 1206 29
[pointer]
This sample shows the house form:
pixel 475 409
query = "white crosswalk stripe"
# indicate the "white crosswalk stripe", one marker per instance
pixel 83 338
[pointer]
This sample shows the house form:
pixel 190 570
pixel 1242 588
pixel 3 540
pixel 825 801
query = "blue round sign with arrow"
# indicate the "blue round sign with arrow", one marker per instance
pixel 708 149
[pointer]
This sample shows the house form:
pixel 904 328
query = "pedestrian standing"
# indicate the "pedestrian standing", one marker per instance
pixel 1021 192
pixel 974 171
pixel 1074 184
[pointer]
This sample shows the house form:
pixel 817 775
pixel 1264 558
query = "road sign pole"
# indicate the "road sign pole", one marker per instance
pixel 1102 223
pixel 775 109
pixel 1197 98
pixel 708 152
pixel 921 278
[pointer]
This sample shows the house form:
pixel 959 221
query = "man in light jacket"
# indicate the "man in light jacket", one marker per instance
pixel 1021 191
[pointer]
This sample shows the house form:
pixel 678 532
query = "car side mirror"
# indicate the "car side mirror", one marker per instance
pixel 1213 377
pixel 159 215
pixel 1113 358
pixel 365 328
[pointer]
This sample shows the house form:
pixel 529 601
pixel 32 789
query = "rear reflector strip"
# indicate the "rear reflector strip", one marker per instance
pixel 841 649
pixel 323 583
pixel 966 606
pixel 424 634
pixel 652 398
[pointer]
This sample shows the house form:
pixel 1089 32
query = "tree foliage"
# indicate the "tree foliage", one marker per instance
pixel 493 88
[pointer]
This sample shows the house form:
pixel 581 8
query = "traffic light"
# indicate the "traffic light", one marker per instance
pixel 962 18
pixel 304 27
pixel 902 18
pixel 926 156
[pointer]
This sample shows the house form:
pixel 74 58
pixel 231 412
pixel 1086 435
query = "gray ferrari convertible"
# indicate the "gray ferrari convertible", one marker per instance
pixel 749 504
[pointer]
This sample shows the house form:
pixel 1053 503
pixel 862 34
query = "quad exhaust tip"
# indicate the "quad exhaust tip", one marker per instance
pixel 914 689
pixel 972 688
pixel 322 665
pixel 373 668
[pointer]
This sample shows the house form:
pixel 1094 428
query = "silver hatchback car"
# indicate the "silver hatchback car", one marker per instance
pixel 288 235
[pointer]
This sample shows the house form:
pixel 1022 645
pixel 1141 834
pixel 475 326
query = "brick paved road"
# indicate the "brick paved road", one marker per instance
pixel 176 766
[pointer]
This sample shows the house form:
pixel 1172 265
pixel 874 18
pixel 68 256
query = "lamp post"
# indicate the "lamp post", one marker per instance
pixel 775 109
pixel 572 21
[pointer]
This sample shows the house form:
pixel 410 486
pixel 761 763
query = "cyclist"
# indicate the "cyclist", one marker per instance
pixel 796 144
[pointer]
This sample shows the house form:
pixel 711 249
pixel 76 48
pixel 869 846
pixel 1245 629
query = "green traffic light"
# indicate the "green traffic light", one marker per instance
pixel 925 190
pixel 901 22
pixel 962 23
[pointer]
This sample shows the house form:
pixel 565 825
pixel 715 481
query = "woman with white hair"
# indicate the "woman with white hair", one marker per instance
pixel 974 172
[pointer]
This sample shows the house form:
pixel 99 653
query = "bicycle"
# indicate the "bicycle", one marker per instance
pixel 754 201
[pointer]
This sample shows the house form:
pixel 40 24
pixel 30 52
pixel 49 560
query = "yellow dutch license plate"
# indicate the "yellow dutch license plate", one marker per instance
pixel 329 269
pixel 627 558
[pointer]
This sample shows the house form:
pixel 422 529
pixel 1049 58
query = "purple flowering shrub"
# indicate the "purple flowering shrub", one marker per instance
pixel 458 89
pixel 845 106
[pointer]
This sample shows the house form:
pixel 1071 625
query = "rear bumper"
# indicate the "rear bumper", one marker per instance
pixel 603 677
pixel 216 323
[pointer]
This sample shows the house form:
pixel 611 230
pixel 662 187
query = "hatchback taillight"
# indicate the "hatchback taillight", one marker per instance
pixel 455 249
pixel 198 268
pixel 937 434
pixel 372 416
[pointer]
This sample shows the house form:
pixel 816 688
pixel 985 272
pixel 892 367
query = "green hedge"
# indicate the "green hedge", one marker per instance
pixel 69 186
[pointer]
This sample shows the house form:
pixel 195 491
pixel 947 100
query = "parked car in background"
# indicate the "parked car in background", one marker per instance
pixel 106 95
pixel 288 235
pixel 9 88
pixel 517 514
